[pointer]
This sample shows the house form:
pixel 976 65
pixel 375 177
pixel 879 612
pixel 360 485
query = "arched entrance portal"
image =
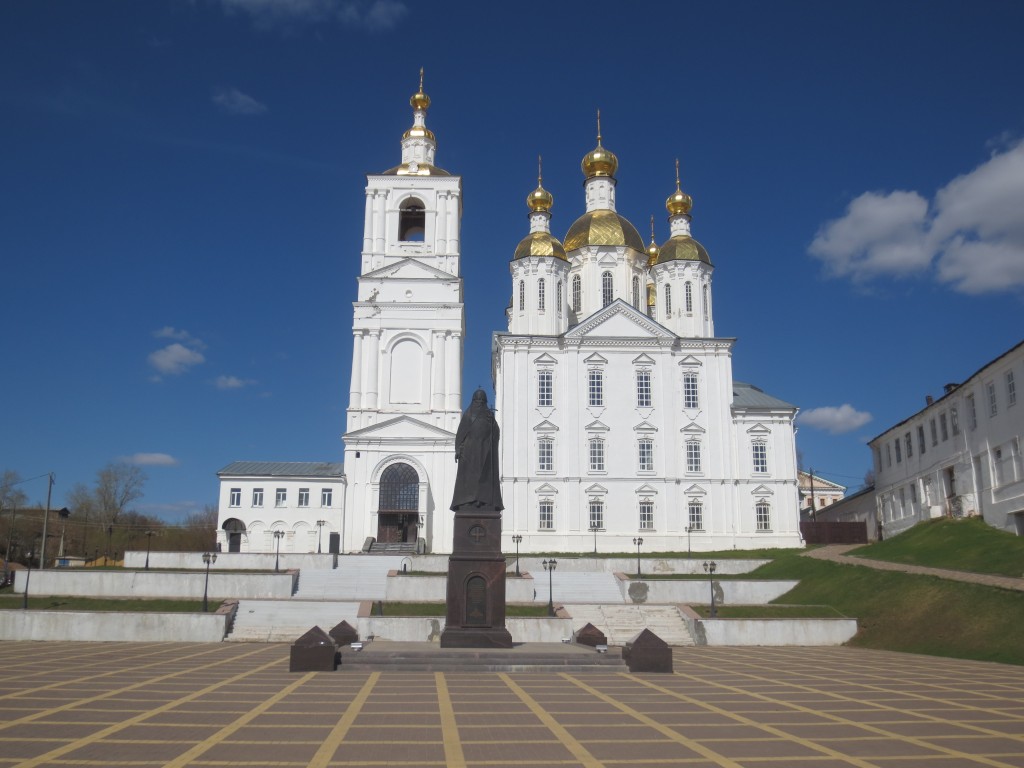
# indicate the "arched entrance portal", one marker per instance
pixel 234 529
pixel 398 511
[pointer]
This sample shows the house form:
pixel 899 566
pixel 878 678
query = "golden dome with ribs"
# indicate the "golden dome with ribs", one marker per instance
pixel 539 244
pixel 603 227
pixel 683 248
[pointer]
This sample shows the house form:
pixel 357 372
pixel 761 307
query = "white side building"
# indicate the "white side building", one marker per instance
pixel 619 414
pixel 959 455
pixel 816 493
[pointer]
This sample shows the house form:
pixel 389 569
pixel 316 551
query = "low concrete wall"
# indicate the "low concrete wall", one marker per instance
pixel 523 630
pixel 439 564
pixel 87 582
pixel 230 561
pixel 71 626
pixel 727 592
pixel 775 631
pixel 432 589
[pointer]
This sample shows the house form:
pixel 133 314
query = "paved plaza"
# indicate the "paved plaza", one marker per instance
pixel 173 704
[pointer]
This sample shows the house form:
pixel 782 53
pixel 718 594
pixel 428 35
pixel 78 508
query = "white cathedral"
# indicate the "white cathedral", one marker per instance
pixel 619 415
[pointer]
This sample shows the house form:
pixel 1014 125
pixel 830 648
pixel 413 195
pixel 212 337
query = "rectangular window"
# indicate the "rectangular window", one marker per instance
pixel 696 515
pixel 645 456
pixel 693 456
pixel 643 389
pixel 646 515
pixel 888 455
pixel 764 516
pixel 257 497
pixel 236 497
pixel 545 397
pixel 541 294
pixel 943 426
pixel 913 494
pixel 899 453
pixel 595 388
pixel 920 439
pixel 326 497
pixel 690 399
pixel 972 412
pixel 909 443
pixel 954 421
pixel 993 408
pixel 597 456
pixel 596 514
pixel 281 497
pixel 1011 390
pixel 303 497
pixel 934 431
pixel 546 516
pixel 760 458
pixel 545 456
pixel 903 504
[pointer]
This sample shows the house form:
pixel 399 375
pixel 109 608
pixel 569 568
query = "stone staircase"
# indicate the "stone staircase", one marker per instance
pixel 357 577
pixel 578 587
pixel 621 623
pixel 284 621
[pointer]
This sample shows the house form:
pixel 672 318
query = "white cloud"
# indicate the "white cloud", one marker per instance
pixel 234 102
pixel 836 421
pixel 231 382
pixel 175 359
pixel 970 237
pixel 370 15
pixel 150 460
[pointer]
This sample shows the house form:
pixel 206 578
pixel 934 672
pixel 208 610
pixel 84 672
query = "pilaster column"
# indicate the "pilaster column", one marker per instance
pixel 439 383
pixel 372 386
pixel 355 399
pixel 441 235
pixel 368 223
pixel 379 221
pixel 453 360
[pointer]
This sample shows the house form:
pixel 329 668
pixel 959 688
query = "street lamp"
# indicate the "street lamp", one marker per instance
pixel 549 566
pixel 277 560
pixel 639 542
pixel 106 554
pixel 64 513
pixel 28 575
pixel 516 539
pixel 594 529
pixel 209 558
pixel 688 529
pixel 709 569
pixel 149 542
pixel 319 534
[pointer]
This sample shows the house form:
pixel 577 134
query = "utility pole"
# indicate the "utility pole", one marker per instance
pixel 46 519
pixel 814 511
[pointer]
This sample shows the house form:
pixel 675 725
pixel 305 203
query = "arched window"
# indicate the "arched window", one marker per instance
pixel 399 489
pixel 636 292
pixel 540 295
pixel 693 463
pixel 689 297
pixel 607 292
pixel 558 297
pixel 668 300
pixel 696 515
pixel 412 219
pixel 707 315
pixel 576 299
pixel 522 295
pixel 763 513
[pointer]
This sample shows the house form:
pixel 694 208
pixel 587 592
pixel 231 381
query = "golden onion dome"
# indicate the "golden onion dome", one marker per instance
pixel 540 199
pixel 599 161
pixel 419 131
pixel 419 100
pixel 683 248
pixel 678 202
pixel 539 244
pixel 603 227
pixel 415 169
pixel 653 250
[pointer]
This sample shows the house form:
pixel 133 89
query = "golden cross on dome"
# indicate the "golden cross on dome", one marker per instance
pixel 538 170
pixel 652 227
pixel 599 127
pixel 677 174
pixel 421 79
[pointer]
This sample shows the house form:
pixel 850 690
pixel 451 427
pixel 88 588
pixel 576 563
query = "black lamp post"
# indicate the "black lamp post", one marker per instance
pixel 709 569
pixel 106 554
pixel 64 513
pixel 277 560
pixel 319 534
pixel 149 542
pixel 209 558
pixel 549 566
pixel 28 575
pixel 516 539
pixel 594 529
pixel 639 542
pixel 688 529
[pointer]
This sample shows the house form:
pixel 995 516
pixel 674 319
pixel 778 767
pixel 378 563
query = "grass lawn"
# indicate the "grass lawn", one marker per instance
pixel 439 609
pixel 55 603
pixel 728 554
pixel 771 611
pixel 967 544
pixel 906 612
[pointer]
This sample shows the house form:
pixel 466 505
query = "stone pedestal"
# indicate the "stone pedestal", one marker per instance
pixel 476 583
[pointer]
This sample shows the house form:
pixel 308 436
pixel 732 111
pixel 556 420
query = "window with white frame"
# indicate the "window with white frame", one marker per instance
pixel 545 455
pixel 326 497
pixel 236 497
pixel 1011 390
pixel 636 292
pixel 257 497
pixel 645 455
pixel 596 455
pixel 546 515
pixel 607 289
pixel 695 515
pixel 668 300
pixel 909 443
pixel 693 459
pixel 646 515
pixel 558 297
pixel 545 391
pixel 763 514
pixel 643 389
pixel 541 294
pixel 943 426
pixel 707 314
pixel 899 453
pixel 954 421
pixel 690 398
pixel 595 388
pixel 576 294
pixel 760 456
pixel 688 296
pixel 972 412
pixel 934 431
pixel 303 497
pixel 596 514
pixel 522 295
pixel 280 497
pixel 920 439
pixel 993 406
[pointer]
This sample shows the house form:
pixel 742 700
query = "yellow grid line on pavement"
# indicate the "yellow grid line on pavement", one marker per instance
pixel 323 756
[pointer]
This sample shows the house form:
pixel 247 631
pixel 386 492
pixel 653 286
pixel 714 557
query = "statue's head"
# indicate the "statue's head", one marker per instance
pixel 480 398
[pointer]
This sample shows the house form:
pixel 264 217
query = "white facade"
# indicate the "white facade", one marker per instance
pixel 620 418
pixel 960 455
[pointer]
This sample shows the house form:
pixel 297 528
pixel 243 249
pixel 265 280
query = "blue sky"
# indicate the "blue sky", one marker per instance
pixel 182 203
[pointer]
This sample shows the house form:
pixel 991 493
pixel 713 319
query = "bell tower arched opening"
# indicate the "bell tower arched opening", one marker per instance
pixel 398 507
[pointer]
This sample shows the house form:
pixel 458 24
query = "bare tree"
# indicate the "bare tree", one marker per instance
pixel 117 486
pixel 869 478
